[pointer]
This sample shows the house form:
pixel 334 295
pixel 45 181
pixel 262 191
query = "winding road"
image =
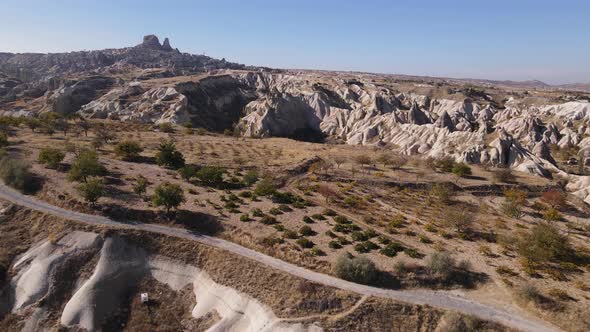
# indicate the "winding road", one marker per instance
pixel 435 299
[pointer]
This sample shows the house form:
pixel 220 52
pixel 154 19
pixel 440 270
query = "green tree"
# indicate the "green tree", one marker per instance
pixel 51 157
pixel 187 172
pixel 168 195
pixel 461 170
pixel 250 178
pixel 544 243
pixel 265 187
pixel 3 140
pixel 140 185
pixel 128 150
pixel 168 156
pixel 211 175
pixel 16 174
pixel 357 269
pixel 85 165
pixel 91 190
pixel 33 123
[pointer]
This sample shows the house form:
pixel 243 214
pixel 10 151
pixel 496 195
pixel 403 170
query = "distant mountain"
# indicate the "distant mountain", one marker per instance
pixel 149 54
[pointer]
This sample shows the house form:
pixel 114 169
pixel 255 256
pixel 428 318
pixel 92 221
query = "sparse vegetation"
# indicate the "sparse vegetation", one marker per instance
pixel 357 269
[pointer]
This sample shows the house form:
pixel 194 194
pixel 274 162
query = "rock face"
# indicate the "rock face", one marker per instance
pixel 119 269
pixel 73 94
pixel 152 42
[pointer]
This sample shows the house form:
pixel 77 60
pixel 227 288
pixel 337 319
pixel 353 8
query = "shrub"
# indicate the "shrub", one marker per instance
pixel 168 195
pixel 461 169
pixel 128 150
pixel 503 175
pixel 51 157
pixel 442 192
pixel 268 220
pixel 210 175
pixel 554 198
pixel 275 211
pixel 140 185
pixel 441 264
pixel 166 127
pixel 245 217
pixel 187 172
pixel 318 216
pixel 391 249
pixel 265 187
pixel 257 213
pixel 530 293
pixel 341 220
pixel 459 219
pixel 357 269
pixel 306 231
pixel 305 243
pixel 307 220
pixel 168 156
pixel 285 208
pixel 445 164
pixel 552 214
pixel 543 244
pixel 329 213
pixel 271 241
pixel 16 174
pixel 91 190
pixel 85 165
pixel 411 252
pixel 334 245
pixel 365 247
pixel 250 178
pixel 284 198
pixel 290 234
pixel 359 236
pixel 317 252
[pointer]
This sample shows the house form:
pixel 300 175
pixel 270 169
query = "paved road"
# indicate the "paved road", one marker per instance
pixel 436 299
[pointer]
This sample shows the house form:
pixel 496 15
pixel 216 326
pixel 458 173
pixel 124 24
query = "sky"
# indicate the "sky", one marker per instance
pixel 492 39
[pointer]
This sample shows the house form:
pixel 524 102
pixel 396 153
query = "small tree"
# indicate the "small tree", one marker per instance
pixel 459 219
pixel 357 269
pixel 168 195
pixel 554 198
pixel 339 160
pixel 85 126
pixel 265 187
pixel 442 192
pixel 441 264
pixel 250 178
pixel 514 201
pixel 16 174
pixel 461 170
pixel 128 150
pixel 140 185
pixel 166 127
pixel 51 157
pixel 92 190
pixel 168 156
pixel 104 133
pixel 187 172
pixel 85 165
pixel 211 175
pixel 363 160
pixel 33 123
pixel 503 175
pixel 544 243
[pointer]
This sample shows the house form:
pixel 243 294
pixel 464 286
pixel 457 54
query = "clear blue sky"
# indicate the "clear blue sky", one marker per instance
pixel 495 39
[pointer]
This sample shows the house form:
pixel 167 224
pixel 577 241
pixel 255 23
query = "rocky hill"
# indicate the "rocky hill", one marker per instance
pixel 488 122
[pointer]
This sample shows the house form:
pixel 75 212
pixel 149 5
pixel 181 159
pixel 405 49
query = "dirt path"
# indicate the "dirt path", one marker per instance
pixel 435 299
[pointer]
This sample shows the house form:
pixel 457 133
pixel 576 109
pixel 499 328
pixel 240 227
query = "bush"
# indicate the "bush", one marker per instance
pixel 503 175
pixel 168 156
pixel 290 234
pixel 307 220
pixel 85 165
pixel 544 243
pixel 318 216
pixel 442 192
pixel 17 174
pixel 166 127
pixel 91 190
pixel 413 253
pixel 245 218
pixel 552 214
pixel 461 169
pixel 257 213
pixel 441 264
pixel 554 198
pixel 187 172
pixel 140 185
pixel 459 219
pixel 357 269
pixel 284 198
pixel 445 164
pixel 391 249
pixel 334 245
pixel 51 157
pixel 265 187
pixel 365 247
pixel 341 220
pixel 305 243
pixel 359 236
pixel 250 178
pixel 329 213
pixel 306 231
pixel 128 150
pixel 168 195
pixel 268 220
pixel 210 175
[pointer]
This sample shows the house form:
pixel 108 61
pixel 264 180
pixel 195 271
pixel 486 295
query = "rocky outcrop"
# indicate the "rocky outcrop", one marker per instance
pixel 73 94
